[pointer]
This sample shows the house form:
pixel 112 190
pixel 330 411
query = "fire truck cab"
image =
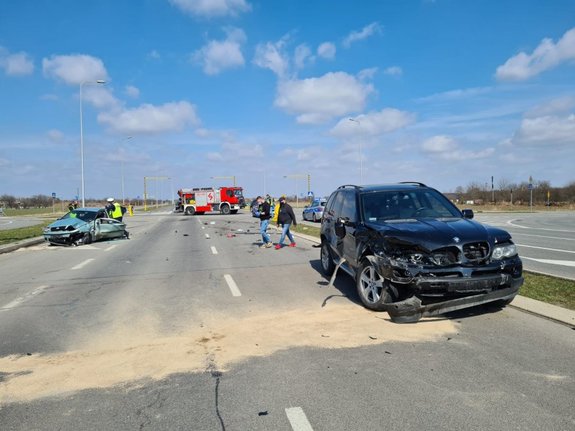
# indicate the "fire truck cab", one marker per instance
pixel 226 200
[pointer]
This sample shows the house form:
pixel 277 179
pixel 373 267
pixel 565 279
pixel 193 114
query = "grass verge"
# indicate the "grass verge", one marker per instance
pixel 307 230
pixel 12 235
pixel 553 290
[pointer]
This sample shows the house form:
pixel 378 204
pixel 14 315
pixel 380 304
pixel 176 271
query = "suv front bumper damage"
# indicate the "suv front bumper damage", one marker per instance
pixel 412 309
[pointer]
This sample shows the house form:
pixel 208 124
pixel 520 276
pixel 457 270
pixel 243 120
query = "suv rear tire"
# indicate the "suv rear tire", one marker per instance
pixel 327 265
pixel 371 287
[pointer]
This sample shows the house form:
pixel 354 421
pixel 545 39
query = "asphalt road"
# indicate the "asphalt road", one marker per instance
pixel 189 325
pixel 546 241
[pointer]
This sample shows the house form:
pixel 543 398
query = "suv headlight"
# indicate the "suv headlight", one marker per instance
pixel 504 251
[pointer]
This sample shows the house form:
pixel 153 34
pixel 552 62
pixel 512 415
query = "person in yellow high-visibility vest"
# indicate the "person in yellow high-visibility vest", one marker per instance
pixel 114 209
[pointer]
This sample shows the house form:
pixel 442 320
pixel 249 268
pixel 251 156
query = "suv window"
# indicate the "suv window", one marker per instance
pixel 336 202
pixel 349 207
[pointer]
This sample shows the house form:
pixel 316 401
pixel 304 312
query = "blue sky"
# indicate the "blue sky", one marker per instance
pixel 446 92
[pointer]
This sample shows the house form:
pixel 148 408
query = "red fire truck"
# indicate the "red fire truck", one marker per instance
pixel 227 200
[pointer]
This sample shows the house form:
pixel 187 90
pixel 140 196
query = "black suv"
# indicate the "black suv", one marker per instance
pixel 413 253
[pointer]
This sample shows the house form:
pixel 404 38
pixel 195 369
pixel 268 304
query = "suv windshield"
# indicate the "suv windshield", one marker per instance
pixel 406 204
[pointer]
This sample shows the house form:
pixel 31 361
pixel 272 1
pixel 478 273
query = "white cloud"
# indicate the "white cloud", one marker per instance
pixel 15 64
pixel 394 71
pixel 131 91
pixel 546 56
pixel 150 119
pixel 439 144
pixel 367 73
pixel 216 55
pixel 74 69
pixel 55 135
pixel 549 131
pixel 326 50
pixel 317 100
pixel 153 55
pixel 212 8
pixel 302 55
pixel 447 148
pixel 373 124
pixel 99 96
pixel 364 33
pixel 272 56
pixel 555 106
pixel 461 93
pixel 215 157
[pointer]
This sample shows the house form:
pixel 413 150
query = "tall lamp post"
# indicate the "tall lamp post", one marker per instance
pixel 122 161
pixel 360 155
pixel 99 81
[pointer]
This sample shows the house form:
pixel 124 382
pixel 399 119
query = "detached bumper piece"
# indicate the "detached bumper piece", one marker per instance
pixel 411 310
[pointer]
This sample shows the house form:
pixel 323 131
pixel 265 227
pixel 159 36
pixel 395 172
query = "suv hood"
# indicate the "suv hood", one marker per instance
pixel 431 234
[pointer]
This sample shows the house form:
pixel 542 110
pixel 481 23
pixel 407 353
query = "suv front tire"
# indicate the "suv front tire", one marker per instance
pixel 372 288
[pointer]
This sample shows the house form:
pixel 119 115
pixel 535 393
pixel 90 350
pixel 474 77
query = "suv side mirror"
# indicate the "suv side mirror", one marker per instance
pixel 467 213
pixel 344 221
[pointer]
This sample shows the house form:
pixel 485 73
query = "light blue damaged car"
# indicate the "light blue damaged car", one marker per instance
pixel 84 225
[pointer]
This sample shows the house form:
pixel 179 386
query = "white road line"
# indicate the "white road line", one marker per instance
pixel 23 299
pixel 543 236
pixel 112 247
pixel 510 223
pixel 214 251
pixel 203 227
pixel 545 248
pixel 199 220
pixel 83 264
pixel 298 419
pixel 207 236
pixel 552 261
pixel 232 285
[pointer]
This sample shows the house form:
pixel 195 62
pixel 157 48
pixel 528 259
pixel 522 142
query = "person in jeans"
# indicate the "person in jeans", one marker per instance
pixel 264 209
pixel 286 217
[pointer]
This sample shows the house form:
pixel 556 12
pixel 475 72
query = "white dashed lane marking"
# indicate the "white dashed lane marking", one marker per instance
pixel 298 419
pixel 545 248
pixel 232 285
pixel 22 299
pixel 214 251
pixel 552 261
pixel 83 264
pixel 207 236
pixel 112 247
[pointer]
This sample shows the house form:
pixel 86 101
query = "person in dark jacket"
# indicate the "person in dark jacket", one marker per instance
pixel 265 216
pixel 286 218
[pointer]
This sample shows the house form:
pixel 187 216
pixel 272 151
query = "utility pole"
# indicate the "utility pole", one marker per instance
pixel 146 179
pixel 296 176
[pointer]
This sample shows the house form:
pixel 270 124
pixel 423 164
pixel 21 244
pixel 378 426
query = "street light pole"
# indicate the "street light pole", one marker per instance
pixel 122 160
pixel 360 155
pixel 99 81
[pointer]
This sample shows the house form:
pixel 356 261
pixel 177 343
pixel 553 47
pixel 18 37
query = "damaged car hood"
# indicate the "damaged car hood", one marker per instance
pixel 70 221
pixel 430 233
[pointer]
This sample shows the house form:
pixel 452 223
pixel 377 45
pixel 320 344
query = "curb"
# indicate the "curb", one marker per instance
pixel 557 314
pixel 21 244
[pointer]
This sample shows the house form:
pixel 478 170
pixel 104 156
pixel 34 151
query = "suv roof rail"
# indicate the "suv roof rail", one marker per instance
pixel 413 182
pixel 348 185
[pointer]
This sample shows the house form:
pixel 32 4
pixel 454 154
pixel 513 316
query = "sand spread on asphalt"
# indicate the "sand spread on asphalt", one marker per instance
pixel 138 352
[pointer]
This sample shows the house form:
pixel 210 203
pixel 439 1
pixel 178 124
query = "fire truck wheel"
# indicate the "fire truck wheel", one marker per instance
pixel 225 209
pixel 234 211
pixel 190 211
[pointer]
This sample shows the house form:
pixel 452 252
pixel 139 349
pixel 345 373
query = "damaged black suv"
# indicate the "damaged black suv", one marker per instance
pixel 413 253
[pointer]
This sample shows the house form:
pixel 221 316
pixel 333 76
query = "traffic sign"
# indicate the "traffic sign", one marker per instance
pixel 53 195
pixel 310 194
pixel 530 186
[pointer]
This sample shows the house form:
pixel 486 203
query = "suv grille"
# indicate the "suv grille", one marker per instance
pixel 445 256
pixel 476 251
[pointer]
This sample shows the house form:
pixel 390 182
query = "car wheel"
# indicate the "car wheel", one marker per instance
pixel 372 287
pixel 225 209
pixel 313 218
pixel 327 265
pixel 87 238
pixel 190 211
